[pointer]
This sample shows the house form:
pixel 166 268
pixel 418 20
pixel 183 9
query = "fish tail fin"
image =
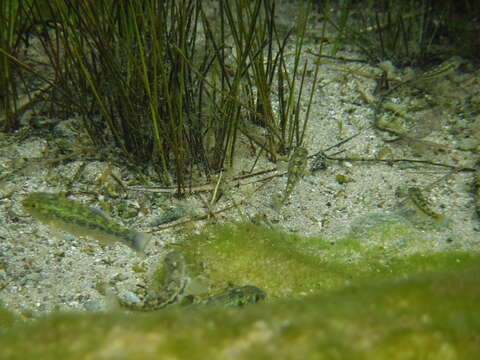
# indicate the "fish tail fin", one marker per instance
pixel 140 241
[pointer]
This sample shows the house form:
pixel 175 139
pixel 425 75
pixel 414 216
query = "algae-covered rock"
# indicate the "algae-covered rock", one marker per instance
pixel 246 254
pixel 434 316
pixel 283 265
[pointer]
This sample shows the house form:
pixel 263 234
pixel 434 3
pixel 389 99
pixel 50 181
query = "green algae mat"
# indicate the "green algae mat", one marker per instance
pixel 353 298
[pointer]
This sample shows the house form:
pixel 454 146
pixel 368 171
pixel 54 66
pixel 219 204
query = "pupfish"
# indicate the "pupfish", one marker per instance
pixel 73 217
pixel 296 170
pixel 445 68
pixel 416 196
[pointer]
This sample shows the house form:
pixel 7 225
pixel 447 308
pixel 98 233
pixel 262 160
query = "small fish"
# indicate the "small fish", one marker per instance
pixel 238 297
pixel 71 216
pixel 175 279
pixel 417 198
pixel 445 68
pixel 174 282
pixel 296 170
pixel 434 74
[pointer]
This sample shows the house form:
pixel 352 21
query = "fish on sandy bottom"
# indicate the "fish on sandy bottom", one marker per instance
pixel 78 219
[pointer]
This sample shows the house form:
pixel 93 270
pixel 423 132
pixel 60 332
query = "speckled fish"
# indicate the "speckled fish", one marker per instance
pixel 296 170
pixel 174 282
pixel 417 198
pixel 71 216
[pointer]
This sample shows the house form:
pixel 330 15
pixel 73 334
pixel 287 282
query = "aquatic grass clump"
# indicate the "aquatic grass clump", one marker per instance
pixel 174 85
pixel 407 32
pixel 120 67
pixel 14 24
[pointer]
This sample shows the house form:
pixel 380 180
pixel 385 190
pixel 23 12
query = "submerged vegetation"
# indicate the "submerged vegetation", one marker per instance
pixel 175 85
pixel 408 32
pixel 286 265
pixel 178 86
pixel 14 26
